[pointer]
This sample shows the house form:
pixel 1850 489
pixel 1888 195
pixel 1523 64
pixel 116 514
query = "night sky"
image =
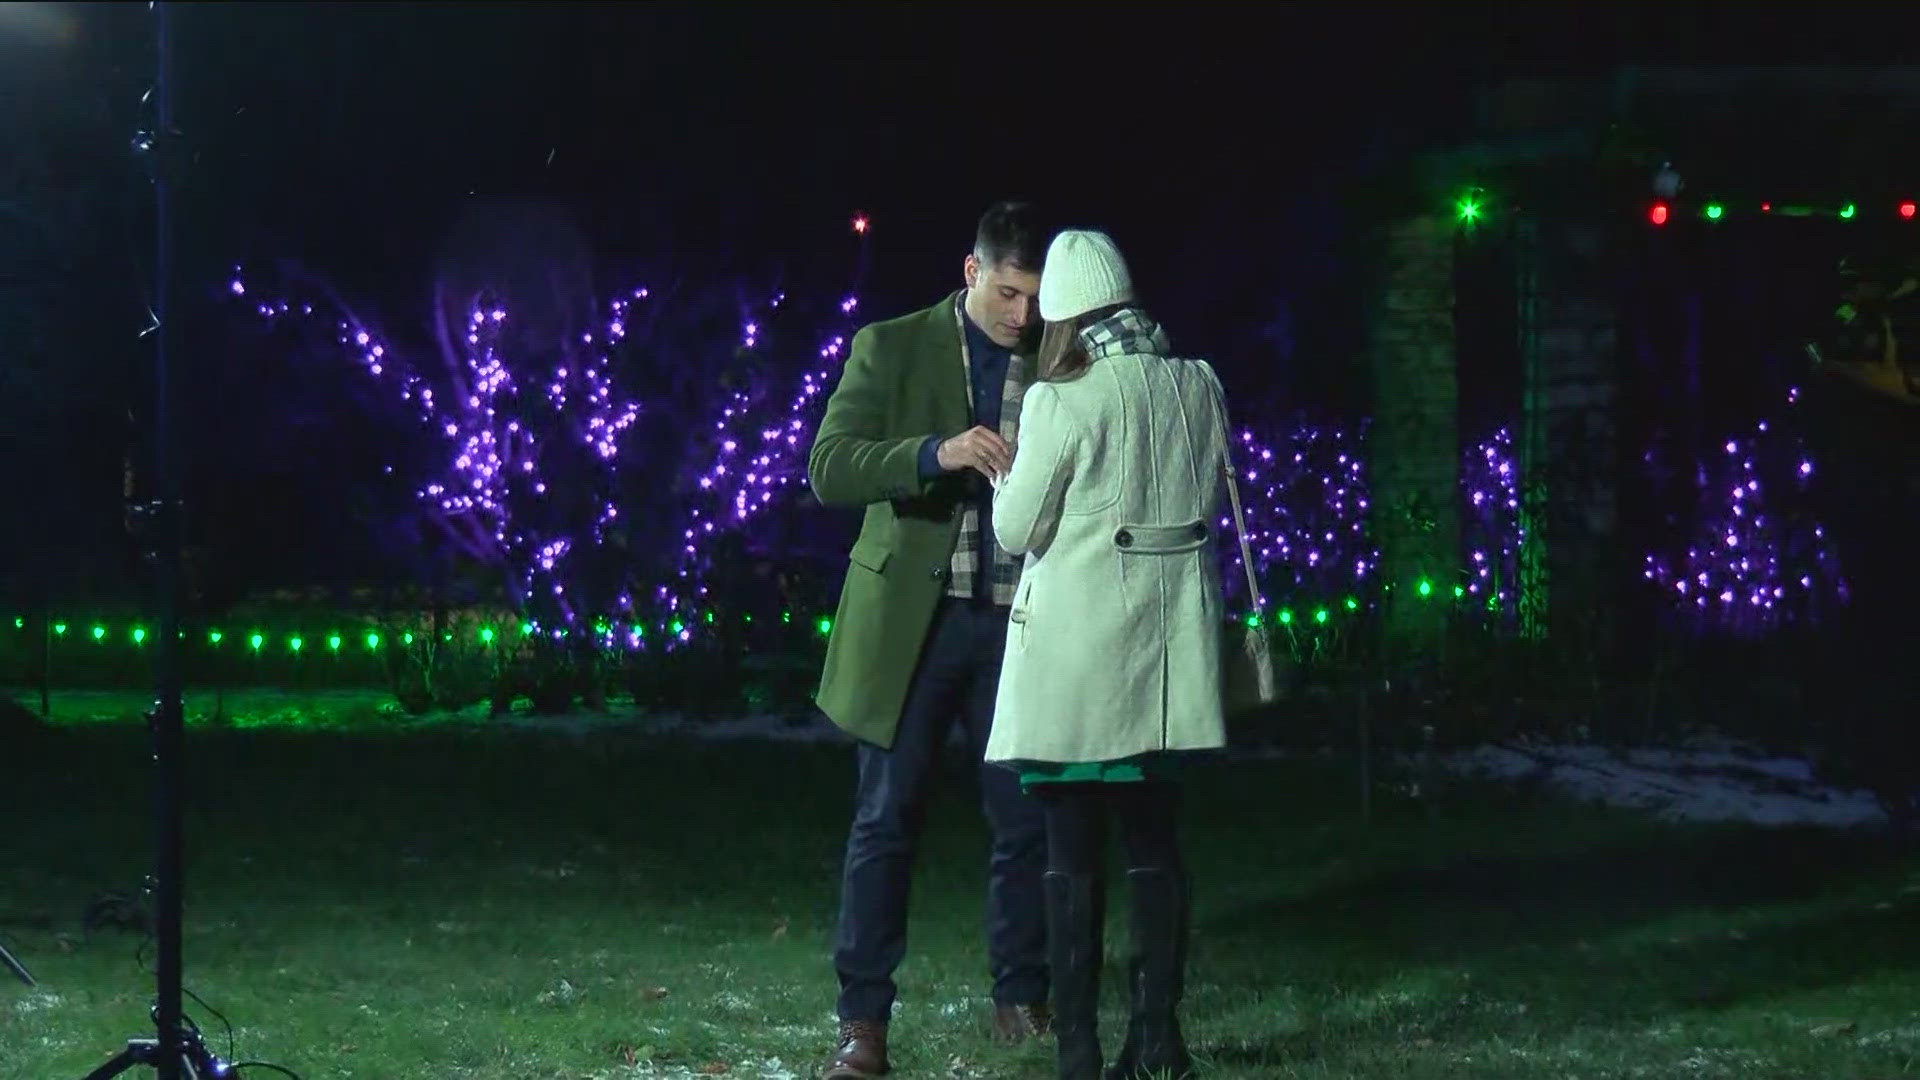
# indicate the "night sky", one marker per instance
pixel 710 141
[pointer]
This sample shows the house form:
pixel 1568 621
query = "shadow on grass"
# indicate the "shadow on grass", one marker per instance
pixel 1600 930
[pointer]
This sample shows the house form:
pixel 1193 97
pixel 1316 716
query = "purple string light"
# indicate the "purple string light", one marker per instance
pixel 1305 501
pixel 504 448
pixel 1759 562
pixel 1490 481
pixel 758 461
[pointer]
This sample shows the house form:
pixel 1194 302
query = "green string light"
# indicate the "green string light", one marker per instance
pixel 825 626
pixel 373 641
pixel 1426 588
pixel 214 636
pixel 99 633
pixel 296 643
pixel 333 642
pixel 139 635
pixel 486 635
pixel 258 641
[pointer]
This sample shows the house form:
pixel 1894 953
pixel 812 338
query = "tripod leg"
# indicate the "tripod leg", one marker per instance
pixel 15 966
pixel 138 1052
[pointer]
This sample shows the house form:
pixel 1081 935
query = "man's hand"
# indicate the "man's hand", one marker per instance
pixel 980 449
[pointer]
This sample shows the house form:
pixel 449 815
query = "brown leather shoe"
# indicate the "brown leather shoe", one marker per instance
pixel 861 1053
pixel 1015 1024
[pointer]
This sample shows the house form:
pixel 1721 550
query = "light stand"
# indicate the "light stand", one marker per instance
pixel 176 1051
pixel 19 969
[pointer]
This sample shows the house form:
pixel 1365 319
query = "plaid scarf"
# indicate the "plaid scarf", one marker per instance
pixel 1004 571
pixel 1123 333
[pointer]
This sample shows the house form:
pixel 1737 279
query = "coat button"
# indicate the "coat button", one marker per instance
pixel 1199 530
pixel 940 573
pixel 1123 538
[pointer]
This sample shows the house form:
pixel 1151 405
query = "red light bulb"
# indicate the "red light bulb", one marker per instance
pixel 1907 209
pixel 1766 208
pixel 1658 215
pixel 860 224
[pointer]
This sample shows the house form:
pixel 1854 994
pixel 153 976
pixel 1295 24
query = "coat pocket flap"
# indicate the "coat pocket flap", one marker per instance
pixel 872 554
pixel 1161 539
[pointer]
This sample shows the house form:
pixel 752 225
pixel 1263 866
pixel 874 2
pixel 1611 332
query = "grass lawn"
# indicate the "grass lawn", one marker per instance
pixel 460 902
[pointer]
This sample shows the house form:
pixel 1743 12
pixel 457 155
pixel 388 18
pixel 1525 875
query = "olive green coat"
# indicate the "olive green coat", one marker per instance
pixel 903 381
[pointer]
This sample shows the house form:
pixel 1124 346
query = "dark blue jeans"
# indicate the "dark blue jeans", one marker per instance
pixel 958 675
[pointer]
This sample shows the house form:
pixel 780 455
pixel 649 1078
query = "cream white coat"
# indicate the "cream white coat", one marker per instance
pixel 1113 649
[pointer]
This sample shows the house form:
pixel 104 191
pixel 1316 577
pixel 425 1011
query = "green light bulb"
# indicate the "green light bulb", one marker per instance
pixel 1847 211
pixel 139 635
pixel 1286 616
pixel 333 642
pixel 1458 592
pixel 59 629
pixel 257 641
pixel 1352 604
pixel 19 623
pixel 99 633
pixel 373 641
pixel 526 629
pixel 486 634
pixel 786 616
pixel 825 625
pixel 1320 616
pixel 214 636
pixel 1468 209
pixel 407 638
pixel 1426 587
pixel 295 643
pixel 1714 210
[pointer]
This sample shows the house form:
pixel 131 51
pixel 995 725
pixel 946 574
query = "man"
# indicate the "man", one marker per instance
pixel 923 419
pixel 1864 437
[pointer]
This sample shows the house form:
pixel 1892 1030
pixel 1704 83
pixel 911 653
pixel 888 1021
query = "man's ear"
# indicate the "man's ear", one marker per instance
pixel 970 270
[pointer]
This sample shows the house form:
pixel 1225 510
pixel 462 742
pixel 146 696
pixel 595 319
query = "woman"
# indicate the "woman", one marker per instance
pixel 1113 649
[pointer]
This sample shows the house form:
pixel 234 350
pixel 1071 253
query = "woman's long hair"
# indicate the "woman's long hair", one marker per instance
pixel 1062 357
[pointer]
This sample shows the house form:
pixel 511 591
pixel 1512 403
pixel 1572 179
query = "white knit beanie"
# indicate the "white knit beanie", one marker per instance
pixel 1084 271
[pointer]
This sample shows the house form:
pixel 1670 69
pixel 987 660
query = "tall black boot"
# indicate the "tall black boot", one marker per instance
pixel 1076 916
pixel 1161 926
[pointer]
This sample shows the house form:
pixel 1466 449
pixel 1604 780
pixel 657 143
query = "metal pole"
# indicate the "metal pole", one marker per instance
pixel 168 736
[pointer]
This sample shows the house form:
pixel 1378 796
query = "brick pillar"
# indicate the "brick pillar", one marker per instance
pixel 1414 456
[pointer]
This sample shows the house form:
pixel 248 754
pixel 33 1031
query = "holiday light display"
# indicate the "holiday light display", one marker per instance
pixel 758 454
pixel 1490 483
pixel 1759 561
pixel 509 434
pixel 531 483
pixel 1305 504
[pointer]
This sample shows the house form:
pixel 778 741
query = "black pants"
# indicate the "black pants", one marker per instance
pixel 958 677
pixel 1081 816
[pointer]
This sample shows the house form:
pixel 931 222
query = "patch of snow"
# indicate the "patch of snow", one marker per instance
pixel 1708 784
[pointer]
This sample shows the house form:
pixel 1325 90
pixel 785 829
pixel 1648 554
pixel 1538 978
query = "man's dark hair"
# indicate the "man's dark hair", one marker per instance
pixel 1015 233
